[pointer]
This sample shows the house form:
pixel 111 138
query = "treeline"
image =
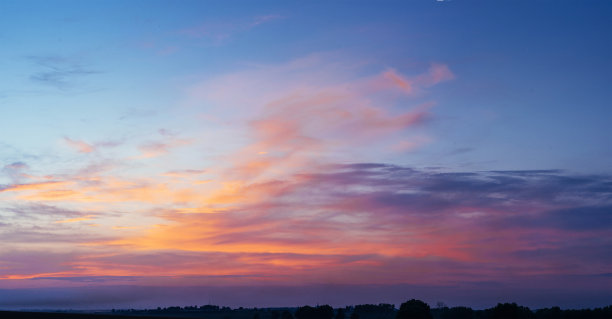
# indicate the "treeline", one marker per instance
pixel 411 309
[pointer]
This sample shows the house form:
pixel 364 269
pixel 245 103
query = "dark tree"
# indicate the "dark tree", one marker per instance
pixel 456 313
pixel 306 312
pixel 320 312
pixel 380 311
pixel 414 309
pixel 286 315
pixel 325 311
pixel 340 314
pixel 549 313
pixel 510 311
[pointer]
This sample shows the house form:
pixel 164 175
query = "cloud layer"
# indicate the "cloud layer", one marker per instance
pixel 288 197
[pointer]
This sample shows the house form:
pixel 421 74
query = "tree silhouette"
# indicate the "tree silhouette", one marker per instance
pixel 510 311
pixel 456 313
pixel 320 312
pixel 414 309
pixel 286 315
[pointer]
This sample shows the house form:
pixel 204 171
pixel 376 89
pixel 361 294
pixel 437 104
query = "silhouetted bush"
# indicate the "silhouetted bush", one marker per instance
pixel 380 311
pixel 414 309
pixel 455 313
pixel 209 308
pixel 510 311
pixel 320 312
pixel 549 313
pixel 286 315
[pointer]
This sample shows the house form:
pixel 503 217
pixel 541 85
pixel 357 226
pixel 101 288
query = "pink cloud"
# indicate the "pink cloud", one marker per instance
pixel 80 146
pixel 314 106
pixel 84 147
pixel 436 74
pixel 409 145
pixel 184 173
pixel 159 148
pixel 398 80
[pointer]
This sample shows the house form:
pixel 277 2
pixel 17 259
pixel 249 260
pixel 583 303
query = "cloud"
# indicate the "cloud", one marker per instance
pixel 348 221
pixel 315 106
pixel 219 32
pixel 289 203
pixel 155 149
pixel 15 171
pixel 77 219
pixel 162 147
pixel 59 72
pixel 356 223
pixel 30 186
pixel 84 147
pixel 411 144
pixel 436 74
pixel 184 173
pixel 80 146
pixel 581 218
pixel 57 239
pixel 30 211
pixel 265 19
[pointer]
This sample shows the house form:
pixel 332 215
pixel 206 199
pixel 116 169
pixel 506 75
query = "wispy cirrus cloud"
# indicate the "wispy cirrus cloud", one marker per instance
pixel 437 73
pixel 80 146
pixel 310 107
pixel 59 71
pixel 184 173
pixel 77 219
pixel 15 171
pixel 211 32
pixel 85 147
pixel 163 145
pixel 219 31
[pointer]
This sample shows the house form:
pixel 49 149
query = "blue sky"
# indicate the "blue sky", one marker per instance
pixel 532 92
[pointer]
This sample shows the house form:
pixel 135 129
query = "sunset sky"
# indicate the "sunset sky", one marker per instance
pixel 282 153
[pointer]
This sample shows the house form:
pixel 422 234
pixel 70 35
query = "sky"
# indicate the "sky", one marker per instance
pixel 282 153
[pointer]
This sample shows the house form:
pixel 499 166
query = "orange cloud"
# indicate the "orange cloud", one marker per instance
pixel 33 186
pixel 74 220
pixel 184 173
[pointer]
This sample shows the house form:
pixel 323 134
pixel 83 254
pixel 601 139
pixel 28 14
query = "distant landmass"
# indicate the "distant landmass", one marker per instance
pixel 411 309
